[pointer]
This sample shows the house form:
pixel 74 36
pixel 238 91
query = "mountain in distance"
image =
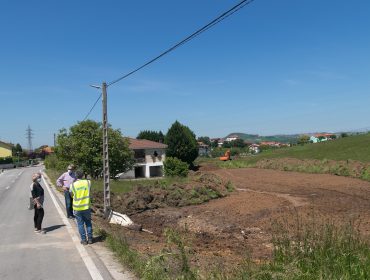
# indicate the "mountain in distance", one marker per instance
pixel 255 138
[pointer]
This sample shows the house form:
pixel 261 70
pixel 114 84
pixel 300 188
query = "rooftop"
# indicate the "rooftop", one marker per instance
pixel 137 144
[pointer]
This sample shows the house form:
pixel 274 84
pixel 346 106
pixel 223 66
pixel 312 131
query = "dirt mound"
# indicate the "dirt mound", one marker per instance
pixel 200 187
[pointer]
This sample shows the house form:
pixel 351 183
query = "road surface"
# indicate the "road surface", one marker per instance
pixel 25 254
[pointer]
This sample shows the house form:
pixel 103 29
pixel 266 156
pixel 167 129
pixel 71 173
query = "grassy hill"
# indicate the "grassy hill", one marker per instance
pixel 353 148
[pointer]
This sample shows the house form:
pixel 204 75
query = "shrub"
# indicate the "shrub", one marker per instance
pixel 175 167
pixel 6 160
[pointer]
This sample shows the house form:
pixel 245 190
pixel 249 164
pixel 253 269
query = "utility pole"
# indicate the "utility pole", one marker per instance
pixel 105 152
pixel 106 175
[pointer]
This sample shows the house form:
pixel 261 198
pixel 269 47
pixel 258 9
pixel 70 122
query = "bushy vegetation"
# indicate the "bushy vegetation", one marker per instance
pixel 173 167
pixel 6 160
pixel 151 135
pixel 81 144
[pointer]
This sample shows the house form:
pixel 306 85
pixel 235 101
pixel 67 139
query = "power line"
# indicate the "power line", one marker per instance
pixel 190 37
pixel 220 18
pixel 92 108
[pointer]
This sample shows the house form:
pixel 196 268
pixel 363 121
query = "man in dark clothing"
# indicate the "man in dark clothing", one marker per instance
pixel 38 199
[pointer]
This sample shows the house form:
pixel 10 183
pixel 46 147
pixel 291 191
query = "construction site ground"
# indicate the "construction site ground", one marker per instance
pixel 221 233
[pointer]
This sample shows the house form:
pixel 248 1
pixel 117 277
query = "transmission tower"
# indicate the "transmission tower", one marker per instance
pixel 29 135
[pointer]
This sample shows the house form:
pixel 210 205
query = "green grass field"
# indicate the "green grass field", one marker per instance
pixel 355 148
pixel 123 186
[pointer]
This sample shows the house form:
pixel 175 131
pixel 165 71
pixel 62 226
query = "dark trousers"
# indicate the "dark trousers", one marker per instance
pixel 68 199
pixel 39 216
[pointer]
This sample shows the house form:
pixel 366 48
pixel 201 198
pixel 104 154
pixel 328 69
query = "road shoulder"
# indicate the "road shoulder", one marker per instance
pixel 103 260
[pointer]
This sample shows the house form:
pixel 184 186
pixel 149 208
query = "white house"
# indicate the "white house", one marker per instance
pixel 149 157
pixel 232 137
pixel 254 148
pixel 322 137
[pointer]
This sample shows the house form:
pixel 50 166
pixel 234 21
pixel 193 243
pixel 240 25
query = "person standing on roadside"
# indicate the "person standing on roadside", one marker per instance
pixel 31 205
pixel 38 199
pixel 80 191
pixel 65 181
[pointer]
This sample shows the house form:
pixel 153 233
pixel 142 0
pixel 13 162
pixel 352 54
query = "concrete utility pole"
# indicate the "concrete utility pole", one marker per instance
pixel 105 152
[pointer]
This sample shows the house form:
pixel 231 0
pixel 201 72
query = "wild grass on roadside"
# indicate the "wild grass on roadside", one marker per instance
pixel 171 263
pixel 323 251
pixel 308 251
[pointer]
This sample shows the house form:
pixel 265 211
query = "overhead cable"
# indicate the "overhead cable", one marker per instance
pixel 92 108
pixel 187 39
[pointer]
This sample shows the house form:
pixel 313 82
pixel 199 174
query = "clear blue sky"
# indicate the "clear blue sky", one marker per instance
pixel 274 67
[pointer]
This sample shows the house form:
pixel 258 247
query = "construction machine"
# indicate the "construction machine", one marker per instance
pixel 226 156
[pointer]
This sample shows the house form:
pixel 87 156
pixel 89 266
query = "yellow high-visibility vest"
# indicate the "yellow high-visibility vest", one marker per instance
pixel 81 195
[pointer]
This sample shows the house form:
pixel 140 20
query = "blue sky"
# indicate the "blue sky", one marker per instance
pixel 274 67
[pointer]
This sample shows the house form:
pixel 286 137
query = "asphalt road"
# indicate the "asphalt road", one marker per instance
pixel 25 254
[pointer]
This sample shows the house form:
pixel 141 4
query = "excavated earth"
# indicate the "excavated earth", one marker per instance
pixel 223 231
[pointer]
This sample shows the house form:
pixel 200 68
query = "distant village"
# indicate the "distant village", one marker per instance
pixel 149 155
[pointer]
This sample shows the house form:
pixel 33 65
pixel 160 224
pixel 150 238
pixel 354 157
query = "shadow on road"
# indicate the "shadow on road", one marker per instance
pixel 51 228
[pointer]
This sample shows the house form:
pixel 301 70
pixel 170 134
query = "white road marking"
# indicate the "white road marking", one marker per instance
pixel 90 265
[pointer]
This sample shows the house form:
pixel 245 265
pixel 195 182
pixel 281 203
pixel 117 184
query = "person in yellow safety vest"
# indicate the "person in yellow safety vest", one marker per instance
pixel 80 192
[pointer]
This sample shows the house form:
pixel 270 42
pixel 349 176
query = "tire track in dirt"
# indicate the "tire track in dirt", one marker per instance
pixel 296 201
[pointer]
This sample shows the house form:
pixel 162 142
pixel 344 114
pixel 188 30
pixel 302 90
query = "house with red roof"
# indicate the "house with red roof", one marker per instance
pixel 322 137
pixel 149 157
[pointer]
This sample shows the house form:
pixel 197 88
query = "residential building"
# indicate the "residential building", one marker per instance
pixel 203 149
pixel 322 137
pixel 5 150
pixel 231 137
pixel 149 157
pixel 254 148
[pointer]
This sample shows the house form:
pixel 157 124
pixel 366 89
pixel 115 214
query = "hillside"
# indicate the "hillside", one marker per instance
pixel 348 148
pixel 255 138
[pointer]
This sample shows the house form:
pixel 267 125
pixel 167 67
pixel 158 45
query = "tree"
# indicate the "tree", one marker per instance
pixel 205 140
pixel 182 143
pixel 151 135
pixel 343 135
pixel 17 150
pixel 303 139
pixel 214 143
pixel 239 143
pixel 82 145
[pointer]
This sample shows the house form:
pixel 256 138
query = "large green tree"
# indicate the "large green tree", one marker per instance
pixel 17 150
pixel 151 135
pixel 182 143
pixel 82 145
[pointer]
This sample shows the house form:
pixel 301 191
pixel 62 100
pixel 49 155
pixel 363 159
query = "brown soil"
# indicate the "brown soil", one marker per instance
pixel 223 231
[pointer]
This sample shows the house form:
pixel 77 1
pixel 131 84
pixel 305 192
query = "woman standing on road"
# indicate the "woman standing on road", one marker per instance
pixel 38 199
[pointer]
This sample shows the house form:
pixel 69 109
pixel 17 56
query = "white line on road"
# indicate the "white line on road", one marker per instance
pixel 90 265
